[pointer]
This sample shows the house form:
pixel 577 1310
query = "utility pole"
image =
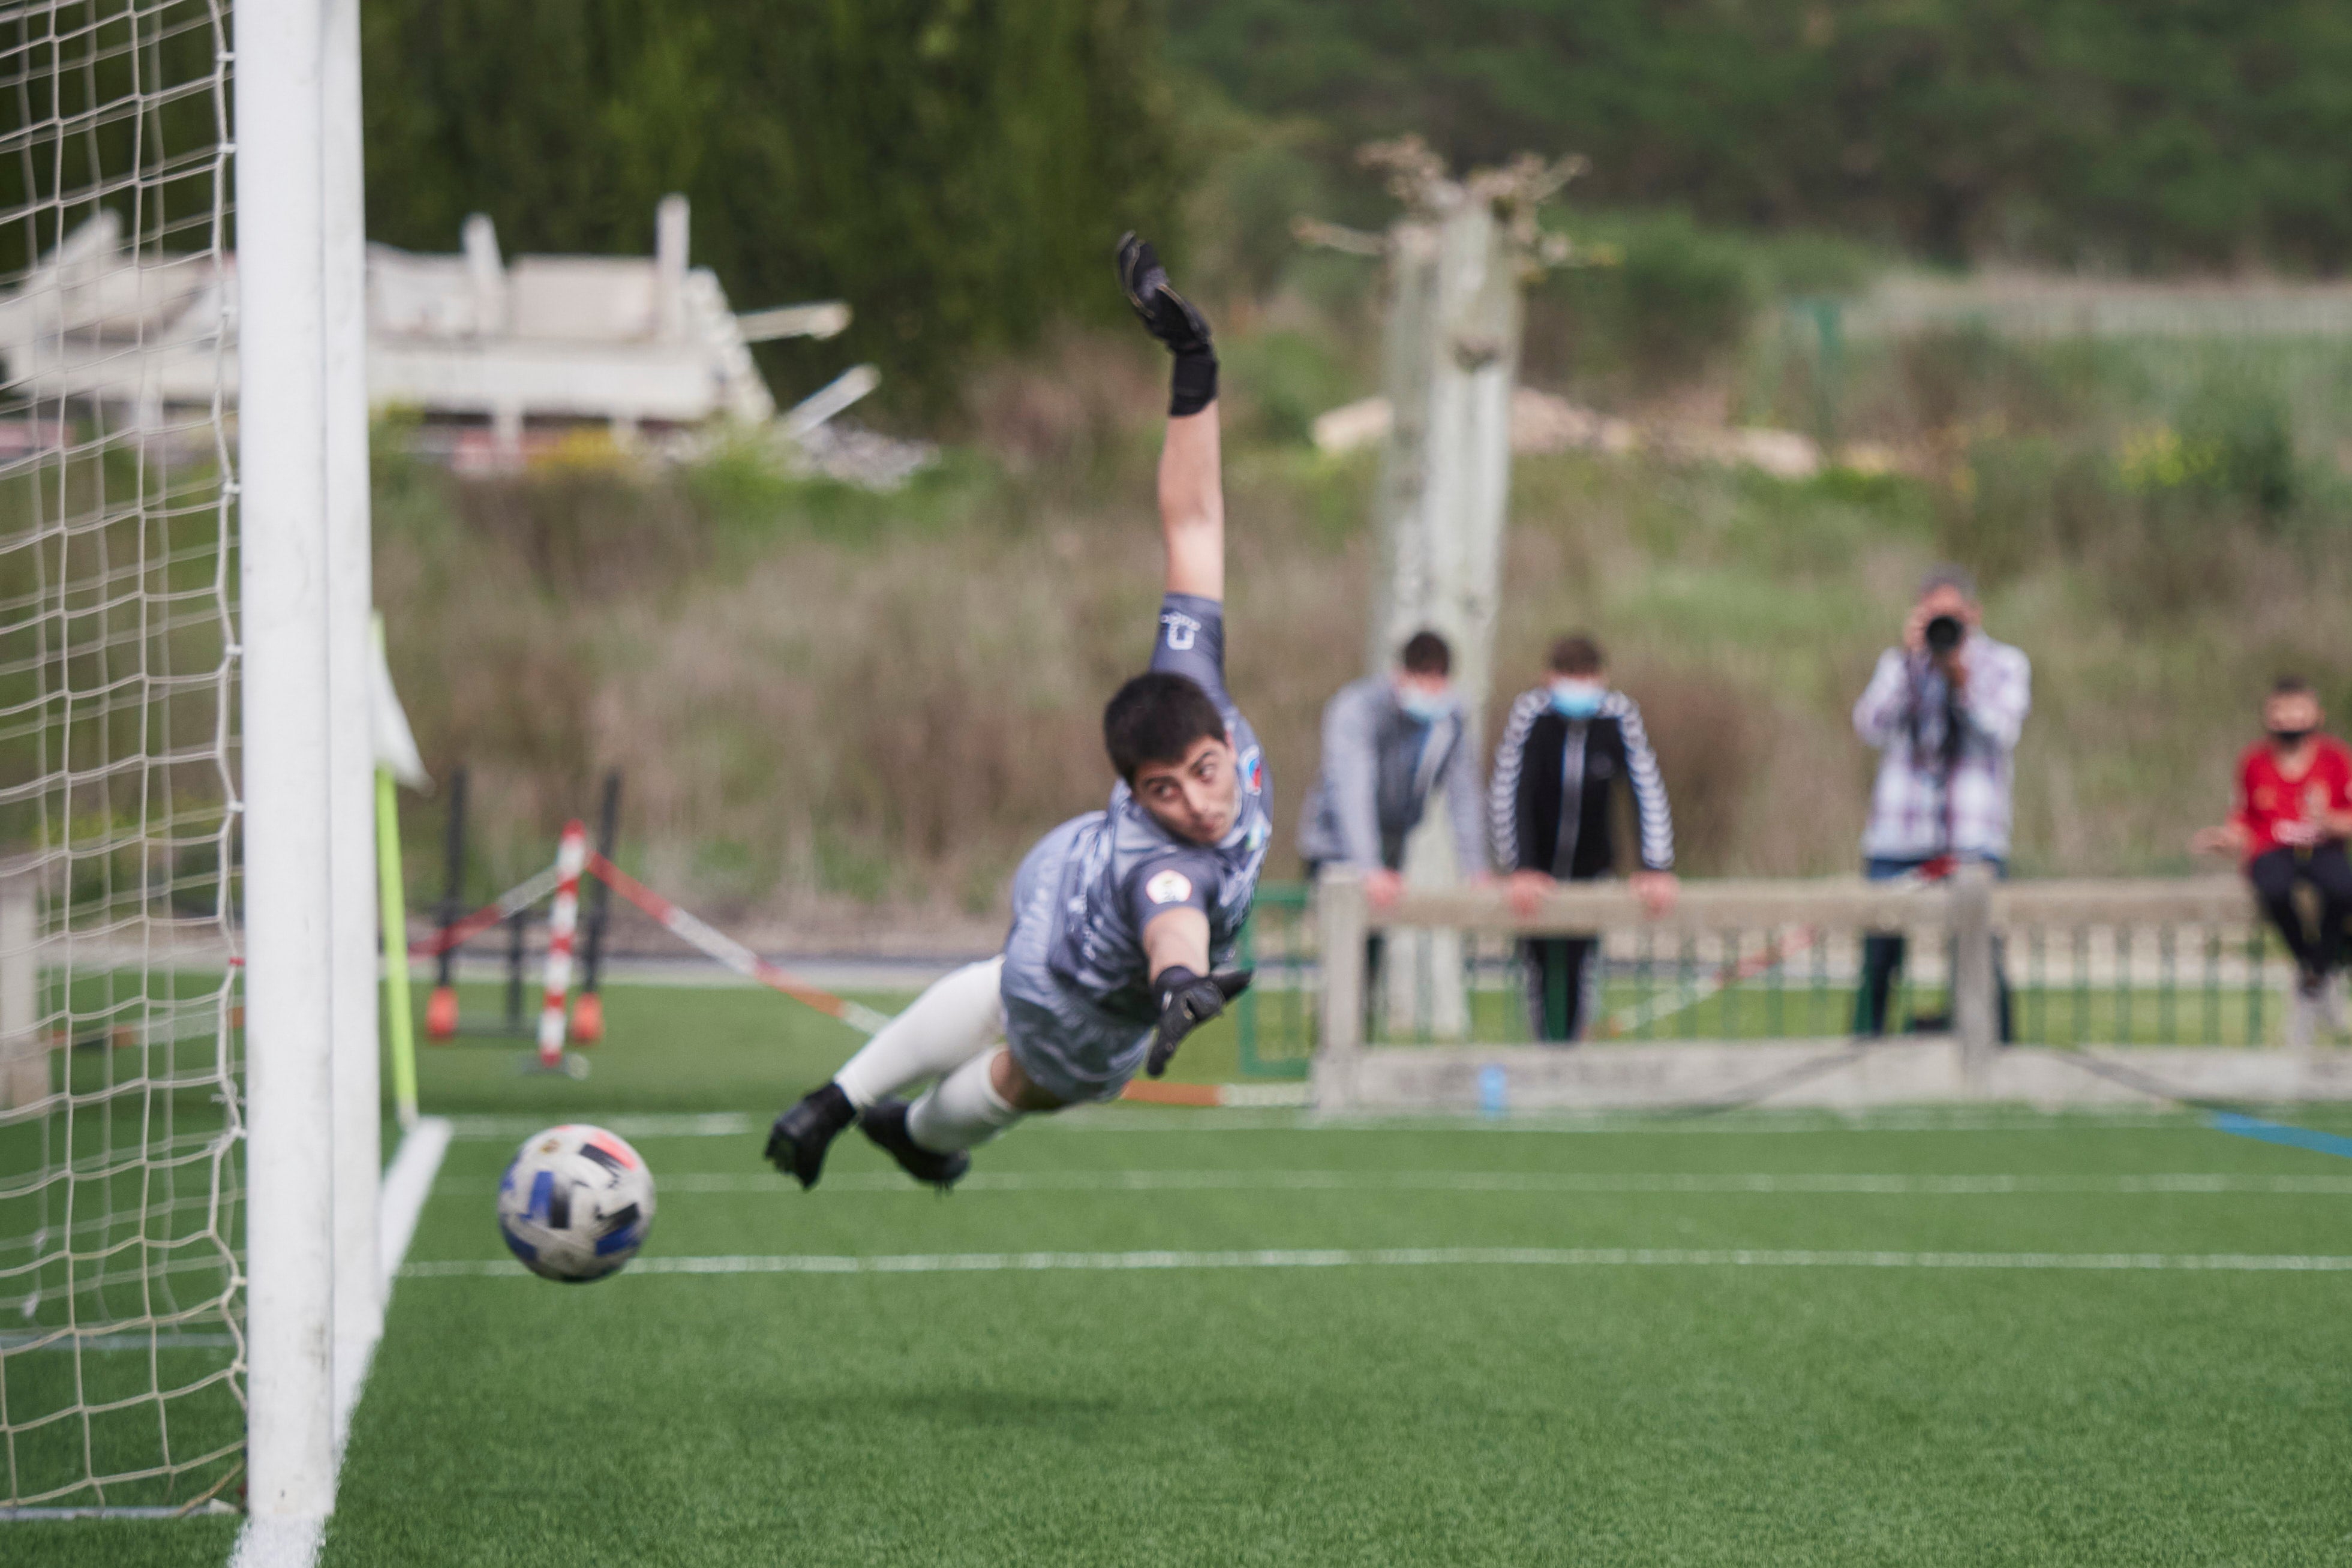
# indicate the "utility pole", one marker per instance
pixel 1458 258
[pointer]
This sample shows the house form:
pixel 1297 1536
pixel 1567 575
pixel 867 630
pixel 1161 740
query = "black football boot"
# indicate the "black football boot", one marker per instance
pixel 797 1142
pixel 885 1122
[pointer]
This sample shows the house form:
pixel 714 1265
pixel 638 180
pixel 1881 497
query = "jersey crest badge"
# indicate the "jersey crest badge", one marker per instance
pixel 1252 768
pixel 1169 886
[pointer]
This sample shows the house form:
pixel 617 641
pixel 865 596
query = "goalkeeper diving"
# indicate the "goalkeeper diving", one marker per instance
pixel 1122 918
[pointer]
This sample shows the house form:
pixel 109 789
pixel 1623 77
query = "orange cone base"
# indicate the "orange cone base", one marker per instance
pixel 588 1019
pixel 1150 1091
pixel 441 1016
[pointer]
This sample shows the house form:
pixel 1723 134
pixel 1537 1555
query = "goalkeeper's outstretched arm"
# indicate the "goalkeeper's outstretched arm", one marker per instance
pixel 1193 505
pixel 1191 489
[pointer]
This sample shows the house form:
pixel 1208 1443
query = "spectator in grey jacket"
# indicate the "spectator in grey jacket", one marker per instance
pixel 1390 741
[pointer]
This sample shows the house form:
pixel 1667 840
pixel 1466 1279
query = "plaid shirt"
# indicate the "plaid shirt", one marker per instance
pixel 1915 812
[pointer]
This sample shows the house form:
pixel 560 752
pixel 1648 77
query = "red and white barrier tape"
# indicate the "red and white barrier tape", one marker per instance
pixel 562 921
pixel 695 932
pixel 521 895
pixel 563 877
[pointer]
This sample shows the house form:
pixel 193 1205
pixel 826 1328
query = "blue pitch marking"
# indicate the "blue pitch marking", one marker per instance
pixel 2274 1132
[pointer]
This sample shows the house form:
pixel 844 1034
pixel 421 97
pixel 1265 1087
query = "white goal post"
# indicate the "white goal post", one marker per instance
pixel 189 1105
pixel 311 971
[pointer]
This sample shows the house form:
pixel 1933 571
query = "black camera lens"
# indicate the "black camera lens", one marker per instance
pixel 1944 633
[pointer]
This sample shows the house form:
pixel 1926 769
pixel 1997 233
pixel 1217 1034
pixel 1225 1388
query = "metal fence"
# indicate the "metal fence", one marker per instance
pixel 2040 306
pixel 2083 964
pixel 1898 365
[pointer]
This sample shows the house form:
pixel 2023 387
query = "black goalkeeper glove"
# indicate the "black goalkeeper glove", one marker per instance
pixel 1170 318
pixel 1187 1001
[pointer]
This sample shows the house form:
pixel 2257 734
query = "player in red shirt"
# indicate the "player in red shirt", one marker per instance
pixel 2293 813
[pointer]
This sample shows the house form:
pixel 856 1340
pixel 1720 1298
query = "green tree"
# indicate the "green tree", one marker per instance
pixel 955 169
pixel 2138 134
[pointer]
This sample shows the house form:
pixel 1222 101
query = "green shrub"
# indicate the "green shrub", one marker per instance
pixel 2143 135
pixel 1662 299
pixel 2002 518
pixel 1261 179
pixel 2243 438
pixel 1281 381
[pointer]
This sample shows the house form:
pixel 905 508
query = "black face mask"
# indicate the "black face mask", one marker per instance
pixel 2288 739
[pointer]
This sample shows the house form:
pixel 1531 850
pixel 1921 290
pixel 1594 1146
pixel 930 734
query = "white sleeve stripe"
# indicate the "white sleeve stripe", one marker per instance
pixel 1649 785
pixel 1503 790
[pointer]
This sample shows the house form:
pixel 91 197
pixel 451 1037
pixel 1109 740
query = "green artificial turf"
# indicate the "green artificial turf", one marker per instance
pixel 1472 1413
pixel 1490 1413
pixel 120 1543
pixel 685 1048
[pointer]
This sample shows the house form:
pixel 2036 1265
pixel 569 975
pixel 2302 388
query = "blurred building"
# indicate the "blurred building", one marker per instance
pixel 494 355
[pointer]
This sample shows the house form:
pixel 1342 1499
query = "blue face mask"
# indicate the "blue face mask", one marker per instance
pixel 1422 705
pixel 1574 699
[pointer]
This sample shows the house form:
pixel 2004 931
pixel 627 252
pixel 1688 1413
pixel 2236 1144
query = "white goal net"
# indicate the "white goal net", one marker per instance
pixel 122 1355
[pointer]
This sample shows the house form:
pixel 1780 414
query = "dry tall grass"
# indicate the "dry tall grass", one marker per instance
pixel 844 716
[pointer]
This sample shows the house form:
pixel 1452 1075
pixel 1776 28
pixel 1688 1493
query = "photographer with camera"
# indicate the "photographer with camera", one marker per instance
pixel 1945 710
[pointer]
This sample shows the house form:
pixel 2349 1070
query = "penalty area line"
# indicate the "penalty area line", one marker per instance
pixel 1762 1184
pixel 1123 1121
pixel 1427 1257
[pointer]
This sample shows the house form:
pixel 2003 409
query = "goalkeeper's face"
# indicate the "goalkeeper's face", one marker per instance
pixel 1199 798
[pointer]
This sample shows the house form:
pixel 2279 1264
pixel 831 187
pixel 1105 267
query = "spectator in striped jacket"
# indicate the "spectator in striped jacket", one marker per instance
pixel 1566 746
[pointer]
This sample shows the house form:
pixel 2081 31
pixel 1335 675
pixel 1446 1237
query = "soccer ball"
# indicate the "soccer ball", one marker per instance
pixel 576 1204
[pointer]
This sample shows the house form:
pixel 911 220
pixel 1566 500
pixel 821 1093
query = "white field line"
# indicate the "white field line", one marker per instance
pixel 504 1129
pixel 1432 1257
pixel 2076 1120
pixel 2189 1183
pixel 734 1125
pixel 407 1184
pixel 277 1542
pixel 268 1541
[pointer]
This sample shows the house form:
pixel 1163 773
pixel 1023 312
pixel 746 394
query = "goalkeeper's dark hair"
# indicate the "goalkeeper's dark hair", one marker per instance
pixel 1155 717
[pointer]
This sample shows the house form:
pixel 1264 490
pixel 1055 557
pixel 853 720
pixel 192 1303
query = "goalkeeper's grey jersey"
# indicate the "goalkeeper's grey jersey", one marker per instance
pixel 1117 867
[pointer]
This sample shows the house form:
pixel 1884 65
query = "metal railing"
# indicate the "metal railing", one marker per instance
pixel 1274 1019
pixel 2085 963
